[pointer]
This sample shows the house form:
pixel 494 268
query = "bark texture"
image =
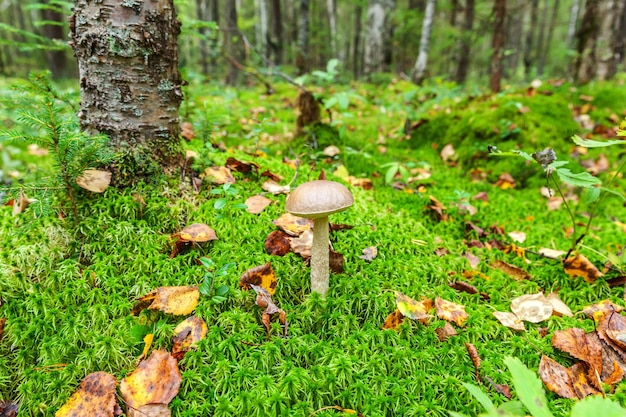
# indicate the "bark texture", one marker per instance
pixel 609 38
pixel 302 56
pixel 376 35
pixel 499 11
pixel 422 58
pixel 127 56
pixel 465 44
pixel 584 67
pixel 56 60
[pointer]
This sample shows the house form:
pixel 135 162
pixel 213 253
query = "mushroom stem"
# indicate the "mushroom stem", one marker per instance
pixel 319 256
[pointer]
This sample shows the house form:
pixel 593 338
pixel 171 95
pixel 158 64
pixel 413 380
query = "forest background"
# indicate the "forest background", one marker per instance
pixel 457 40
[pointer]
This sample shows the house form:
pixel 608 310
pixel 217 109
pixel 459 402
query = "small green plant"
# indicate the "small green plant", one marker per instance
pixel 226 204
pixel 393 168
pixel 532 396
pixel 212 273
pixel 595 192
pixel 47 118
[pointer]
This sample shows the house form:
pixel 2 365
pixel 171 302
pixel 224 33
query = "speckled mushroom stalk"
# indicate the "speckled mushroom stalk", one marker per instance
pixel 317 200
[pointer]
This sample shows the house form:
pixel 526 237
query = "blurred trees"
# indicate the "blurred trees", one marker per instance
pixel 581 40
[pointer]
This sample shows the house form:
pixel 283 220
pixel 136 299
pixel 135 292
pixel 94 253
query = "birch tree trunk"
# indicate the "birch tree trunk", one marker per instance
pixel 465 46
pixel 127 56
pixel 332 22
pixel 419 72
pixel 260 8
pixel 573 19
pixel 499 11
pixel 609 35
pixel 375 35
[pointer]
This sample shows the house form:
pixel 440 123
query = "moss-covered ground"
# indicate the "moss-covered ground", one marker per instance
pixel 67 291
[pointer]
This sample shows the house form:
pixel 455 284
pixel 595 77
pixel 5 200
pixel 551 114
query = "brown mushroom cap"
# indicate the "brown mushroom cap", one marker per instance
pixel 318 198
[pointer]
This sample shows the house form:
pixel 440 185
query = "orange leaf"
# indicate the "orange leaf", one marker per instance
pixel 513 271
pixel 278 243
pixel 263 276
pixel 178 301
pixel 410 308
pixel 556 377
pixel 580 266
pixel 445 332
pixel 599 310
pixel 575 342
pixel 393 321
pixel 155 381
pixel 473 354
pixel 188 332
pixel 95 397
pixel 293 225
pixel 447 310
pixel 197 233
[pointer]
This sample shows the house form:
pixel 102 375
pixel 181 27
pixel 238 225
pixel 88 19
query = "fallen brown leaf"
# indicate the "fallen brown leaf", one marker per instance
pixel 447 310
pixel 95 397
pixel 278 243
pixel 293 225
pixel 445 332
pixel 534 308
pixel 94 180
pixel 579 266
pixel 262 276
pixel 257 203
pixel 513 271
pixel 179 301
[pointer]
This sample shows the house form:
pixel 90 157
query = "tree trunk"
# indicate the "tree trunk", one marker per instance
pixel 499 11
pixel 515 27
pixel 546 48
pixel 233 45
pixel 573 19
pixel 261 25
pixel 375 36
pixel 466 42
pixel 422 58
pixel 302 56
pixel 276 40
pixel 541 37
pixel 529 58
pixel 584 67
pixel 356 57
pixel 130 85
pixel 332 22
pixel 609 38
pixel 56 60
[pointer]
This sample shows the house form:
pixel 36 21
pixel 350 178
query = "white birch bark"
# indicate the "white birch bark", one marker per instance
pixel 332 22
pixel 610 13
pixel 573 18
pixel 422 58
pixel 375 35
pixel 260 8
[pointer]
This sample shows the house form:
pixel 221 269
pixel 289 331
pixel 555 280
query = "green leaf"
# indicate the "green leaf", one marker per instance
pixel 330 102
pixel 593 406
pixel 591 194
pixel 344 101
pixel 589 143
pixel 222 290
pixel 581 179
pixel 620 195
pixel 220 204
pixel 207 262
pixel 482 398
pixel 528 387
pixel 240 206
pixel 216 191
pixel 138 332
pixel 523 154
pixel 391 172
pixel 514 408
pixel 218 299
pixel 455 414
pixel 205 288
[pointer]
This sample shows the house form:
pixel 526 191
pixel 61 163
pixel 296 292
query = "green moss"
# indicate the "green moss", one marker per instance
pixel 68 291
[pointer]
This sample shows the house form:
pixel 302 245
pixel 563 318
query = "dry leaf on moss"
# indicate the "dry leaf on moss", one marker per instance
pixel 534 308
pixel 94 180
pixel 263 276
pixel 411 308
pixel 556 377
pixel 447 310
pixel 369 253
pixel 575 342
pixel 264 301
pixel 219 175
pixel 393 320
pixel 559 308
pixel 579 266
pixel 303 244
pixel 293 225
pixel 275 188
pixel 278 243
pixel 188 332
pixel 240 166
pixel 95 397
pixel 517 236
pixel 445 332
pixel 179 301
pixel 509 320
pixel 257 203
pixel 154 382
pixel 196 233
pixel 513 271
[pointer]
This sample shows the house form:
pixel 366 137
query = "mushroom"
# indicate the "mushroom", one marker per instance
pixel 317 200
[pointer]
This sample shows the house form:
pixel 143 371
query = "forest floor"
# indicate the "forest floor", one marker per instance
pixel 445 218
